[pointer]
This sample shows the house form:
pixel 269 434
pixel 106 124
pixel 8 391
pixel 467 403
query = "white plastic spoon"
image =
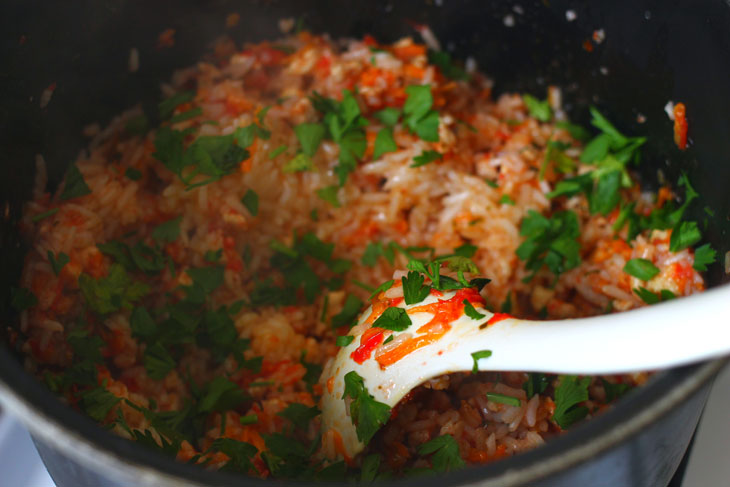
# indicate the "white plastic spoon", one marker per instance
pixel 673 333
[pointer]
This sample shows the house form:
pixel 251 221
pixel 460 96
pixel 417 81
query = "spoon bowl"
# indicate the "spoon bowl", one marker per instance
pixel 476 339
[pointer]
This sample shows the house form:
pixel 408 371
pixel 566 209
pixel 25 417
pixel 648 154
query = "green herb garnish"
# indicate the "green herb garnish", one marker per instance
pixel 503 399
pixel 642 269
pixel 393 318
pixel 476 356
pixel 471 312
pixel 367 414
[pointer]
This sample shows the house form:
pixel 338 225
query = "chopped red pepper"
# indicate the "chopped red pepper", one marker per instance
pixel 680 126
pixel 369 341
pixel 497 317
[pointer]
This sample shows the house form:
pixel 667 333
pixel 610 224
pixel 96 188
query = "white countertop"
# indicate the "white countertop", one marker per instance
pixel 708 465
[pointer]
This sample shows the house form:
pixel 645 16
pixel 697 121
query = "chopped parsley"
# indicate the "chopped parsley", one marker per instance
pixel 279 150
pixel 442 60
pixel 300 163
pixel 388 115
pixel 652 298
pixel 570 392
pixel 373 250
pixel 349 312
pixel 367 414
pixel 344 124
pixel 471 312
pixel 537 108
pixel 466 250
pixel 158 362
pixel 111 293
pixel 552 243
pixel 506 200
pixel 167 107
pixel 310 135
pixel 74 185
pixel 503 399
pixel 248 419
pixel 192 113
pixel 536 383
pixel 393 318
pixel 98 402
pixel 370 467
pixel 168 231
pixel 704 255
pixel 641 269
pixel 329 194
pixel 382 288
pixel 44 215
pixel 344 341
pixel 684 235
pixel 251 201
pixel 476 356
pixel 413 289
pixel 614 391
pixel 384 143
pixel 22 299
pixel 426 157
pixel 58 261
pixel 507 304
pixel 299 414
pixel 240 454
pixel 445 454
pixel 133 174
pixel 418 115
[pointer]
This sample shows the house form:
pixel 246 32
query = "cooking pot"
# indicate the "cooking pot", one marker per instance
pixel 628 57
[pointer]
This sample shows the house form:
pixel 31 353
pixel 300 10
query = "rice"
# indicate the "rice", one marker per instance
pixel 282 347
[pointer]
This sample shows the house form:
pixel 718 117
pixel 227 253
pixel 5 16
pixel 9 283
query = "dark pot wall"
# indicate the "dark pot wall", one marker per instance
pixel 680 50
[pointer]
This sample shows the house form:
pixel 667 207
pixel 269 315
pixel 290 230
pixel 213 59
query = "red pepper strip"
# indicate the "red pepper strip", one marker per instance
pixel 369 341
pixel 497 317
pixel 680 126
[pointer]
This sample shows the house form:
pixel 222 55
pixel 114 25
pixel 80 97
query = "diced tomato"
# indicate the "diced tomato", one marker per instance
pixel 680 126
pixel 369 341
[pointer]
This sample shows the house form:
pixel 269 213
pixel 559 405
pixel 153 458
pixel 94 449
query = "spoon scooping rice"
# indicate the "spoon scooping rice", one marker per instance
pixel 416 330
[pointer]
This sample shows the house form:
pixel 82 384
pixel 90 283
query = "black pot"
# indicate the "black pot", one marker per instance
pixel 654 51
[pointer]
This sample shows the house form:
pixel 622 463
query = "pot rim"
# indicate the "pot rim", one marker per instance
pixel 82 440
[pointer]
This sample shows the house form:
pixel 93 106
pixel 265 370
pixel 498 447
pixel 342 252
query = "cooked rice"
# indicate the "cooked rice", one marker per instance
pixel 442 205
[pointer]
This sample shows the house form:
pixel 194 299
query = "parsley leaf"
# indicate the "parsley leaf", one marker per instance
pixel 536 383
pixel 476 356
pixel 310 135
pixel 22 299
pixel 605 195
pixel 248 419
pixel 418 116
pixel 614 391
pixel 651 298
pixel 570 392
pixel 538 109
pixel 192 113
pixel 684 235
pixel 370 467
pixel 503 399
pixel 58 262
pixel 168 231
pixel 158 362
pixel 384 143
pixel 471 312
pixel 413 289
pixel 329 194
pixel 167 107
pixel 367 414
pixel 642 269
pixel 299 414
pixel 426 157
pixel 133 174
pixel 446 455
pixel 74 185
pixel 45 214
pixel 349 312
pixel 388 115
pixel 550 242
pixel 98 402
pixel 393 318
pixel 344 341
pixel 251 201
pixel 240 454
pixel 111 293
pixel 221 395
pixel 442 59
pixel 506 200
pixel 704 255
pixel 382 288
pixel 314 371
pixel 142 324
pixel 300 163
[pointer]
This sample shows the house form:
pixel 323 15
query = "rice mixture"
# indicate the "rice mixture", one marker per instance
pixel 189 279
